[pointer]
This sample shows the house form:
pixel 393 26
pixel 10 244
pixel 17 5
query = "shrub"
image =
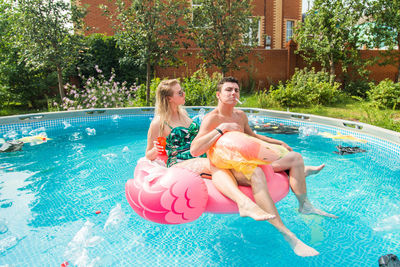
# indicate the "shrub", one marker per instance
pixel 386 94
pixel 358 87
pixel 103 51
pixel 97 93
pixel 140 99
pixel 304 89
pixel 200 88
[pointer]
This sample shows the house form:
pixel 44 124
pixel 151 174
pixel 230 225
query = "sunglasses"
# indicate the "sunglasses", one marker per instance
pixel 181 93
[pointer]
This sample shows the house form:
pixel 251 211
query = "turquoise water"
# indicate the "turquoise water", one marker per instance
pixel 50 193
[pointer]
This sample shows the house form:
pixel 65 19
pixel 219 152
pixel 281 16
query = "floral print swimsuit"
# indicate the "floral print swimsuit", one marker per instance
pixel 178 143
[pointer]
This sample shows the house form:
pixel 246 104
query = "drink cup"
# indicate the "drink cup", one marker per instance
pixel 162 141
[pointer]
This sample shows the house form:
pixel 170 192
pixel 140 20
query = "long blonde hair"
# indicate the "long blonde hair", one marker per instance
pixel 163 108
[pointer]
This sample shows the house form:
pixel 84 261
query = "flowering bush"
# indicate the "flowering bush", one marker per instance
pixel 97 93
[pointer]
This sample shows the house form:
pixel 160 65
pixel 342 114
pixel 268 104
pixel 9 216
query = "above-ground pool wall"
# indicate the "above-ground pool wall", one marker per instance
pixel 55 120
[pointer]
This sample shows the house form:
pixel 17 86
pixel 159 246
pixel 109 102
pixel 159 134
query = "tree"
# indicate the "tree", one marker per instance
pixel 150 30
pixel 224 30
pixel 6 25
pixel 329 34
pixel 47 30
pixel 384 21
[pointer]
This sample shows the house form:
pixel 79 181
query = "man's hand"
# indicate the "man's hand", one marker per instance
pixel 230 126
pixel 286 146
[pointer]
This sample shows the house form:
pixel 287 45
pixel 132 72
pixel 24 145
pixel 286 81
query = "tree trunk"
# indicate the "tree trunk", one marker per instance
pixel 397 79
pixel 60 82
pixel 148 72
pixel 332 66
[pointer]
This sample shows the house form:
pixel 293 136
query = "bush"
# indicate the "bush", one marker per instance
pixel 140 99
pixel 358 87
pixel 98 49
pixel 306 88
pixel 97 93
pixel 386 94
pixel 200 88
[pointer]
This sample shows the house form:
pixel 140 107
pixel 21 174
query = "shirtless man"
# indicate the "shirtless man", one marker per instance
pixel 226 118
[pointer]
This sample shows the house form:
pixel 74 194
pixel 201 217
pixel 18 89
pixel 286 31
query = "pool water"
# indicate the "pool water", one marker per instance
pixel 64 200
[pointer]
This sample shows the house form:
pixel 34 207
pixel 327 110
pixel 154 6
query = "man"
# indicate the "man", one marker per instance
pixel 226 118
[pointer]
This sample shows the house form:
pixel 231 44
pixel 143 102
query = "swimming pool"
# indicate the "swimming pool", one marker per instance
pixel 63 200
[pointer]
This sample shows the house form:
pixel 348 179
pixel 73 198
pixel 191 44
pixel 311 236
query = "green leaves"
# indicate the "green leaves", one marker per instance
pixel 225 31
pixel 150 30
pixel 385 95
pixel 328 34
pixel 383 25
pixel 47 33
pixel 306 88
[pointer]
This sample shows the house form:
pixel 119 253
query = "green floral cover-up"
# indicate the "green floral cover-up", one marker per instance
pixel 178 143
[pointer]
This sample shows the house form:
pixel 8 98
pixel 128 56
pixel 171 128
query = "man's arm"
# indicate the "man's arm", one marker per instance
pixel 208 134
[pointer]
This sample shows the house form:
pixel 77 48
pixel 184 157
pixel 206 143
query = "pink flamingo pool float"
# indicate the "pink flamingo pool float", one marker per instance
pixel 176 195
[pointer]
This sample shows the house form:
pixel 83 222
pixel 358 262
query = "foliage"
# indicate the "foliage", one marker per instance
pixel 200 88
pixel 306 88
pixel 329 34
pixel 46 32
pixel 97 93
pixel 225 31
pixel 384 27
pixel 141 93
pixel 150 31
pixel 385 95
pixel 102 50
pixel 357 87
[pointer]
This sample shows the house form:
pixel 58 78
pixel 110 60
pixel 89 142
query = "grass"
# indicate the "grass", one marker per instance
pixel 353 110
pixel 350 109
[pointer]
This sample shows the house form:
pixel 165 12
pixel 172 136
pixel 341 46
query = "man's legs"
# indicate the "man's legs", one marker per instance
pixel 293 162
pixel 263 199
pixel 227 185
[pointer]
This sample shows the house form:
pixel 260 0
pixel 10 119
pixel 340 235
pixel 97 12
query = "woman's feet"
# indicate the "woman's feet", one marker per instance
pixel 248 208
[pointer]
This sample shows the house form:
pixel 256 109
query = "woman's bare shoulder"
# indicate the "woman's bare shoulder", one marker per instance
pixel 155 123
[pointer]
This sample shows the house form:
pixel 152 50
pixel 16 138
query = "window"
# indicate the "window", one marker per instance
pixel 289 30
pixel 253 31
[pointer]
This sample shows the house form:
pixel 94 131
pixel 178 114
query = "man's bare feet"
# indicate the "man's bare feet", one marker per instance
pixel 248 208
pixel 308 208
pixel 310 170
pixel 299 247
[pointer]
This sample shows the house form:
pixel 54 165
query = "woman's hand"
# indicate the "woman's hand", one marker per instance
pixel 158 147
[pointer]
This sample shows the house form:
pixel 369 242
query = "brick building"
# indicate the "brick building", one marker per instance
pixel 278 18
pixel 278 60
